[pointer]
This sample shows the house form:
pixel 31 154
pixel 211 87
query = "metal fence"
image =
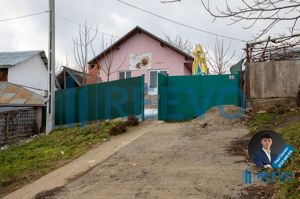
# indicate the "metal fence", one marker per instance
pixel 100 101
pixel 185 97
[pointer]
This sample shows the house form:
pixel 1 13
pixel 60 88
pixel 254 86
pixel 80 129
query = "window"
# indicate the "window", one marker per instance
pixel 124 74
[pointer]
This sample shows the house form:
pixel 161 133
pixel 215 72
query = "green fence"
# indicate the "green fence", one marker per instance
pixel 185 97
pixel 100 101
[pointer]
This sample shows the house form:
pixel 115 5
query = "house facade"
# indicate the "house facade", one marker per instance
pixel 138 53
pixel 26 68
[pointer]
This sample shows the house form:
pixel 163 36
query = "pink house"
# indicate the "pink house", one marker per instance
pixel 140 52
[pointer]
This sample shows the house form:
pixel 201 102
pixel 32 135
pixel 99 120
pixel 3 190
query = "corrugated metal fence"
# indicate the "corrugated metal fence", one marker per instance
pixel 185 97
pixel 100 101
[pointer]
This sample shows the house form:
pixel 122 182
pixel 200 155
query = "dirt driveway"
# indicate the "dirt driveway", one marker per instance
pixel 172 160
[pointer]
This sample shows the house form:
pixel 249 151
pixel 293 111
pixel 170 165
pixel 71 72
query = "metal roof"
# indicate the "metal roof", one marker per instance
pixel 15 95
pixel 76 75
pixel 8 59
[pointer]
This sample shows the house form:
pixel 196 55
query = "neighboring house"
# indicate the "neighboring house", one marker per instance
pixel 69 78
pixel 21 113
pixel 140 52
pixel 26 68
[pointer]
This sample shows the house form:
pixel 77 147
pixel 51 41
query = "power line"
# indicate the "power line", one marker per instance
pixel 181 24
pixel 24 16
pixel 78 24
pixel 59 16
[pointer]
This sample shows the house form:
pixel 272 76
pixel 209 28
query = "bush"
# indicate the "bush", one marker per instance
pixel 132 121
pixel 118 129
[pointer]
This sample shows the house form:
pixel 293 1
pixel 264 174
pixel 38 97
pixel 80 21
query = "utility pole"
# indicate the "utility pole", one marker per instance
pixel 51 70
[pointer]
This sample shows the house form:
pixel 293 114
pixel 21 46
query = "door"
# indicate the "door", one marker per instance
pixel 153 80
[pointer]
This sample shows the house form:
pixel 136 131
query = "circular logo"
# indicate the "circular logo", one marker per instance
pixel 264 148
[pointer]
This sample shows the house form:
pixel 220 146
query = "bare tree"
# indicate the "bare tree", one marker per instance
pixel 179 42
pixel 271 11
pixel 170 1
pixel 219 58
pixel 66 61
pixel 82 47
pixel 109 65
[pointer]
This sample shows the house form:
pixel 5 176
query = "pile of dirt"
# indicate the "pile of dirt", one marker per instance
pixel 224 115
pixel 216 118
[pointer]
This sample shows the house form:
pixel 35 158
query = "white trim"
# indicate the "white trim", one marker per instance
pixel 125 72
pixel 154 90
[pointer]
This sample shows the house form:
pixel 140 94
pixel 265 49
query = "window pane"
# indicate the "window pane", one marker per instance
pixel 128 74
pixel 153 79
pixel 121 75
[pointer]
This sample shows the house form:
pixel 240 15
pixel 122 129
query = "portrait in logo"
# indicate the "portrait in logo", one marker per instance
pixel 264 148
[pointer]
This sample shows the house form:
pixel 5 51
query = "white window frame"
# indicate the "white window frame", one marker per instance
pixel 125 73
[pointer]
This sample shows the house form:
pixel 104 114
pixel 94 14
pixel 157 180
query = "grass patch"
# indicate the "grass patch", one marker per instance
pixel 291 135
pixel 263 121
pixel 288 126
pixel 23 163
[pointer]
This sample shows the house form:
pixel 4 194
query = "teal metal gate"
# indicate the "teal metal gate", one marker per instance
pixel 100 101
pixel 185 97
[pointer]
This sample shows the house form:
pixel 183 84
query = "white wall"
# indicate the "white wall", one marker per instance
pixel 32 73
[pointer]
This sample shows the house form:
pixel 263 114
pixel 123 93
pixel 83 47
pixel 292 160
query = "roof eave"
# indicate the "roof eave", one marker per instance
pixel 137 28
pixel 22 105
pixel 6 66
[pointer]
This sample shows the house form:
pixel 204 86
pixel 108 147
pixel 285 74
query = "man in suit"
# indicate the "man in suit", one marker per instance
pixel 264 158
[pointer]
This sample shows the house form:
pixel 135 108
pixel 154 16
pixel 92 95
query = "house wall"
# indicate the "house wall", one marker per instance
pixel 32 73
pixel 187 71
pixel 162 58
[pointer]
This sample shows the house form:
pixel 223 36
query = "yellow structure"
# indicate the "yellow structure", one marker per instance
pixel 199 64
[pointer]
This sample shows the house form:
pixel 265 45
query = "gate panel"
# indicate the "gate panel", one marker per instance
pixel 100 101
pixel 185 97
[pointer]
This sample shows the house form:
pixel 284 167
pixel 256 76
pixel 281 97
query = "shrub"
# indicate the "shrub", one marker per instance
pixel 118 129
pixel 132 121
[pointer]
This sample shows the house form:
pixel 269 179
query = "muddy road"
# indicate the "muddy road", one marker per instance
pixel 172 160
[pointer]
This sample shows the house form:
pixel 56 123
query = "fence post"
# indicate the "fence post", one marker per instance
pixel 143 97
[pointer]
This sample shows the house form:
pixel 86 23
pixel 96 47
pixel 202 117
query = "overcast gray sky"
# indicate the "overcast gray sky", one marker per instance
pixel 115 18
